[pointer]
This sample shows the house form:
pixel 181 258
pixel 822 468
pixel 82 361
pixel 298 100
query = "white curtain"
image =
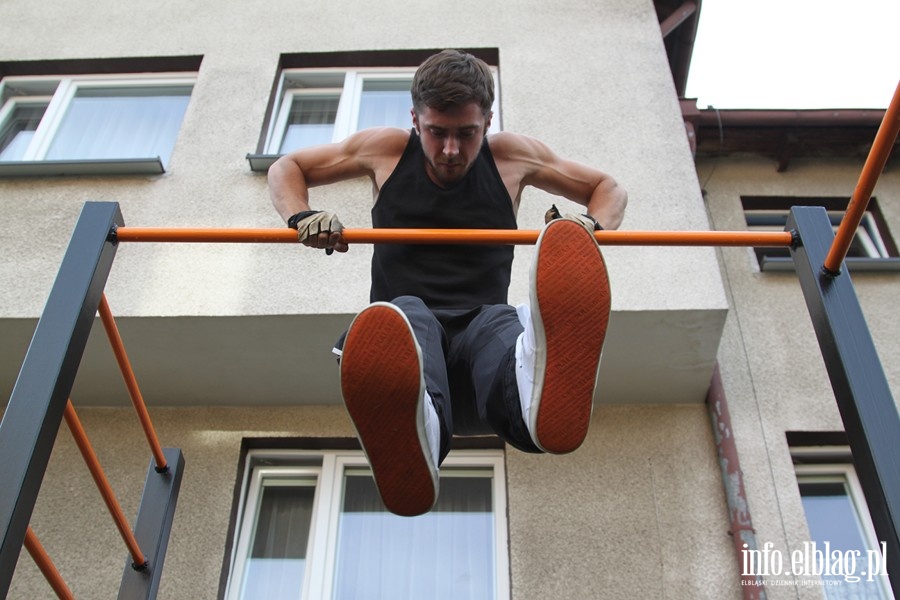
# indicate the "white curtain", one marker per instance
pixel 18 131
pixel 277 561
pixel 382 106
pixel 119 126
pixel 310 122
pixel 447 553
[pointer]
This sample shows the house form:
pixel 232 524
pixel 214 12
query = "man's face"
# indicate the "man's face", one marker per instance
pixel 451 140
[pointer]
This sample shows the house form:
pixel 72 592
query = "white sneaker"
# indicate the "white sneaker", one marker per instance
pixel 525 362
pixel 558 355
pixel 432 430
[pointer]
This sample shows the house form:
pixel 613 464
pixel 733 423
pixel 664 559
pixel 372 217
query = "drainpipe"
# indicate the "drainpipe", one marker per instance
pixel 741 527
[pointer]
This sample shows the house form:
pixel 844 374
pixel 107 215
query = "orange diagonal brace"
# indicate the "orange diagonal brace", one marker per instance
pixel 112 332
pixel 43 562
pixel 456 236
pixel 109 497
pixel 878 155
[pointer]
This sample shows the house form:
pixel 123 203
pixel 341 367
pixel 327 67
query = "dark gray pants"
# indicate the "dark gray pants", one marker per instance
pixel 470 369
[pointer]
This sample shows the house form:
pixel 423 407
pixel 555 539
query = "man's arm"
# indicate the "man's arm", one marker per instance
pixel 362 154
pixel 537 165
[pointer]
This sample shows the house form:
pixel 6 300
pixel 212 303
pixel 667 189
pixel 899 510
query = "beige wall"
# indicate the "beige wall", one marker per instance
pixel 637 512
pixel 589 78
pixel 772 367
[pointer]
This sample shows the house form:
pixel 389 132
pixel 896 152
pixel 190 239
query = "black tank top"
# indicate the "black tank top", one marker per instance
pixel 443 276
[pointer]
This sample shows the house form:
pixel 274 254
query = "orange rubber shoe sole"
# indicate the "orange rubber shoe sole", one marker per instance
pixel 571 303
pixel 383 388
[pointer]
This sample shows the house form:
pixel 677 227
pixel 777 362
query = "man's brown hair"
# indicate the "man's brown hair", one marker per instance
pixel 452 78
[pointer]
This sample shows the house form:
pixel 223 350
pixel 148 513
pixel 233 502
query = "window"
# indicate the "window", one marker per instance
pixel 839 526
pixel 90 123
pixel 323 104
pixel 311 113
pixel 872 248
pixel 311 525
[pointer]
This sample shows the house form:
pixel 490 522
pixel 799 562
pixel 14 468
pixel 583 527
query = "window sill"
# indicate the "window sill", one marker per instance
pixel 103 166
pixel 854 265
pixel 260 163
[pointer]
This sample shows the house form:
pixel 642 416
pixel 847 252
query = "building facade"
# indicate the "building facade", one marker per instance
pixel 231 342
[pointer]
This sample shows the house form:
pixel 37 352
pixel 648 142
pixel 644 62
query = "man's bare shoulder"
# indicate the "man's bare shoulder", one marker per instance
pixel 379 142
pixel 506 145
pixel 520 152
pixel 378 150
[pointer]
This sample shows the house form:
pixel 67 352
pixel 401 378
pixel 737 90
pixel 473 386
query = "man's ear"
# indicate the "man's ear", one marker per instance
pixel 415 120
pixel 487 122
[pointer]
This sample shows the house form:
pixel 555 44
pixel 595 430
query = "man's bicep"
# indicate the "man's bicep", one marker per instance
pixel 569 179
pixel 537 165
pixel 361 155
pixel 329 163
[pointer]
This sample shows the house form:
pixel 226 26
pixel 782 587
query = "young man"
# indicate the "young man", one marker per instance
pixel 439 351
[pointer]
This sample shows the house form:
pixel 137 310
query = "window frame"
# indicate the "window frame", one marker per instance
pixel 349 103
pixel 349 98
pixel 328 467
pixel 65 88
pixel 833 464
pixel 9 107
pixel 872 232
pixel 279 127
pixel 255 486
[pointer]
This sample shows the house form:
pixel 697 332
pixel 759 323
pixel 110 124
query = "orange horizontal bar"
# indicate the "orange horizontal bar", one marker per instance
pixel 42 560
pixel 456 236
pixel 604 238
pixel 197 234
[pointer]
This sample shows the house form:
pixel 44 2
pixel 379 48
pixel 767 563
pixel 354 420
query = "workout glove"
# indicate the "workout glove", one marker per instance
pixel 313 222
pixel 586 221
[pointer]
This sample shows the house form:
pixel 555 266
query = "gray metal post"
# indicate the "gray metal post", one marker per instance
pixel 152 527
pixel 36 406
pixel 867 407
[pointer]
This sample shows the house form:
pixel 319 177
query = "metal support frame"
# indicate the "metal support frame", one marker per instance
pixel 32 418
pixel 152 527
pixel 35 410
pixel 33 415
pixel 864 399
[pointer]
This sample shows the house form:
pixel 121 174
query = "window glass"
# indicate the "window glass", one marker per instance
pixel 18 130
pixel 866 243
pixel 276 565
pixel 835 523
pixel 310 122
pixel 322 107
pixel 831 515
pixel 872 246
pixel 444 554
pixel 312 525
pixel 385 103
pixel 317 106
pixel 86 120
pixel 112 123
